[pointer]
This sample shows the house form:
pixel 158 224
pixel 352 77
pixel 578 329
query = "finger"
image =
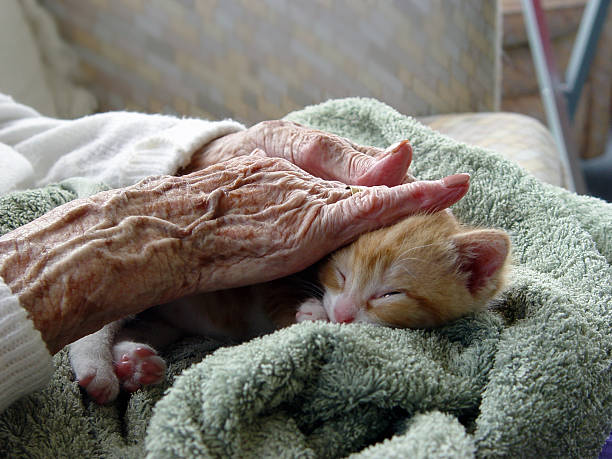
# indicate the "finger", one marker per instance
pixel 335 159
pixel 390 168
pixel 381 206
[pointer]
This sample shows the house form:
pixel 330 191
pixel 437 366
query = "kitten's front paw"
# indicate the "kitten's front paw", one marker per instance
pixel 100 382
pixel 311 310
pixel 137 365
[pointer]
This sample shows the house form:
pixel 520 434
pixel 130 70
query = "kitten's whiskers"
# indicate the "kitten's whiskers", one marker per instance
pixel 312 288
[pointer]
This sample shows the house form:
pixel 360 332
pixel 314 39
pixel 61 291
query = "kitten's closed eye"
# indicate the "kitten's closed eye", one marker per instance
pixel 387 299
pixel 388 294
pixel 341 276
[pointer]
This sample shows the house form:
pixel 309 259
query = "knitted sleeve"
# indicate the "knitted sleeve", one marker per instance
pixel 25 362
pixel 117 148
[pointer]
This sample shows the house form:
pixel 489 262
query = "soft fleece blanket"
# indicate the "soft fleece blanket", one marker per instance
pixel 529 378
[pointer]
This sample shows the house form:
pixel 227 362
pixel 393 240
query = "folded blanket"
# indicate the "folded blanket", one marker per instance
pixel 530 377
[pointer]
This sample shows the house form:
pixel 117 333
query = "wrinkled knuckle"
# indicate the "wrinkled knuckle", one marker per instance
pixel 357 162
pixel 309 146
pixel 418 190
pixel 320 140
pixel 375 200
pixel 360 203
pixel 337 194
pixel 372 202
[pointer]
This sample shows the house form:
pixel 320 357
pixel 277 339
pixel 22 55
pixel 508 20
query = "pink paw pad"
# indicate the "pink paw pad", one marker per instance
pixel 139 366
pixel 100 385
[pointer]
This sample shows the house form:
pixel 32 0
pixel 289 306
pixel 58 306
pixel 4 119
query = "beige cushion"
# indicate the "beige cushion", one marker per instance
pixel 519 138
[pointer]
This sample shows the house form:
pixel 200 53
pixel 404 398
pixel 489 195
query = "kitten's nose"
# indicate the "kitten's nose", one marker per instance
pixel 345 311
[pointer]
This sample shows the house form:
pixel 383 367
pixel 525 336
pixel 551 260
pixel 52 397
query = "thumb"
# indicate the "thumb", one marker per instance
pixel 337 159
pixel 375 207
pixel 389 168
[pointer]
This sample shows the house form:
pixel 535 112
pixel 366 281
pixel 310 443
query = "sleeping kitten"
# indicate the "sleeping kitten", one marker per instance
pixel 424 271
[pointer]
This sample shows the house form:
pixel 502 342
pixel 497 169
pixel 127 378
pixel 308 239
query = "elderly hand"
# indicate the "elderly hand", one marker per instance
pixel 322 154
pixel 250 219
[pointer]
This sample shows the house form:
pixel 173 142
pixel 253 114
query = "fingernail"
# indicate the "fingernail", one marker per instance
pixel 453 181
pixel 397 146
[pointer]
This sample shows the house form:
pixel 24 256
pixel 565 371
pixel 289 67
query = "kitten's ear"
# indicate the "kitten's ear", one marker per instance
pixel 482 254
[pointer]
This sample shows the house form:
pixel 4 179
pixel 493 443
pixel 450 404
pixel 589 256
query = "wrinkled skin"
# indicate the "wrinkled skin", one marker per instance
pixel 322 154
pixel 249 219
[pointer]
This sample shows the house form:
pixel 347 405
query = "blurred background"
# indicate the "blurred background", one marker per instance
pixel 463 67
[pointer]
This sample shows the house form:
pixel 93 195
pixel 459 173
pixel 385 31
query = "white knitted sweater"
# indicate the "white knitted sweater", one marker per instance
pixel 117 148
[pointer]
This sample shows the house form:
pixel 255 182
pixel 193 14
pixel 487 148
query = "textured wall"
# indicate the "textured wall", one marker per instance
pixel 259 59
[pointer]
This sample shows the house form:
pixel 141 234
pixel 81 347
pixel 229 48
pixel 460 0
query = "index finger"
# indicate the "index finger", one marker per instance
pixel 376 207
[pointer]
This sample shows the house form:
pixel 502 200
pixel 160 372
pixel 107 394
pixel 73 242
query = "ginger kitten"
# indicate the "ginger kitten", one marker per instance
pixel 424 271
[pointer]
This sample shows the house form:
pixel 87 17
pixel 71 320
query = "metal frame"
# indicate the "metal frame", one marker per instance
pixel 591 25
pixel 560 99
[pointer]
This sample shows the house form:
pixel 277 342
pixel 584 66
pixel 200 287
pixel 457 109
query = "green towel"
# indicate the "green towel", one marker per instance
pixel 22 207
pixel 530 378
